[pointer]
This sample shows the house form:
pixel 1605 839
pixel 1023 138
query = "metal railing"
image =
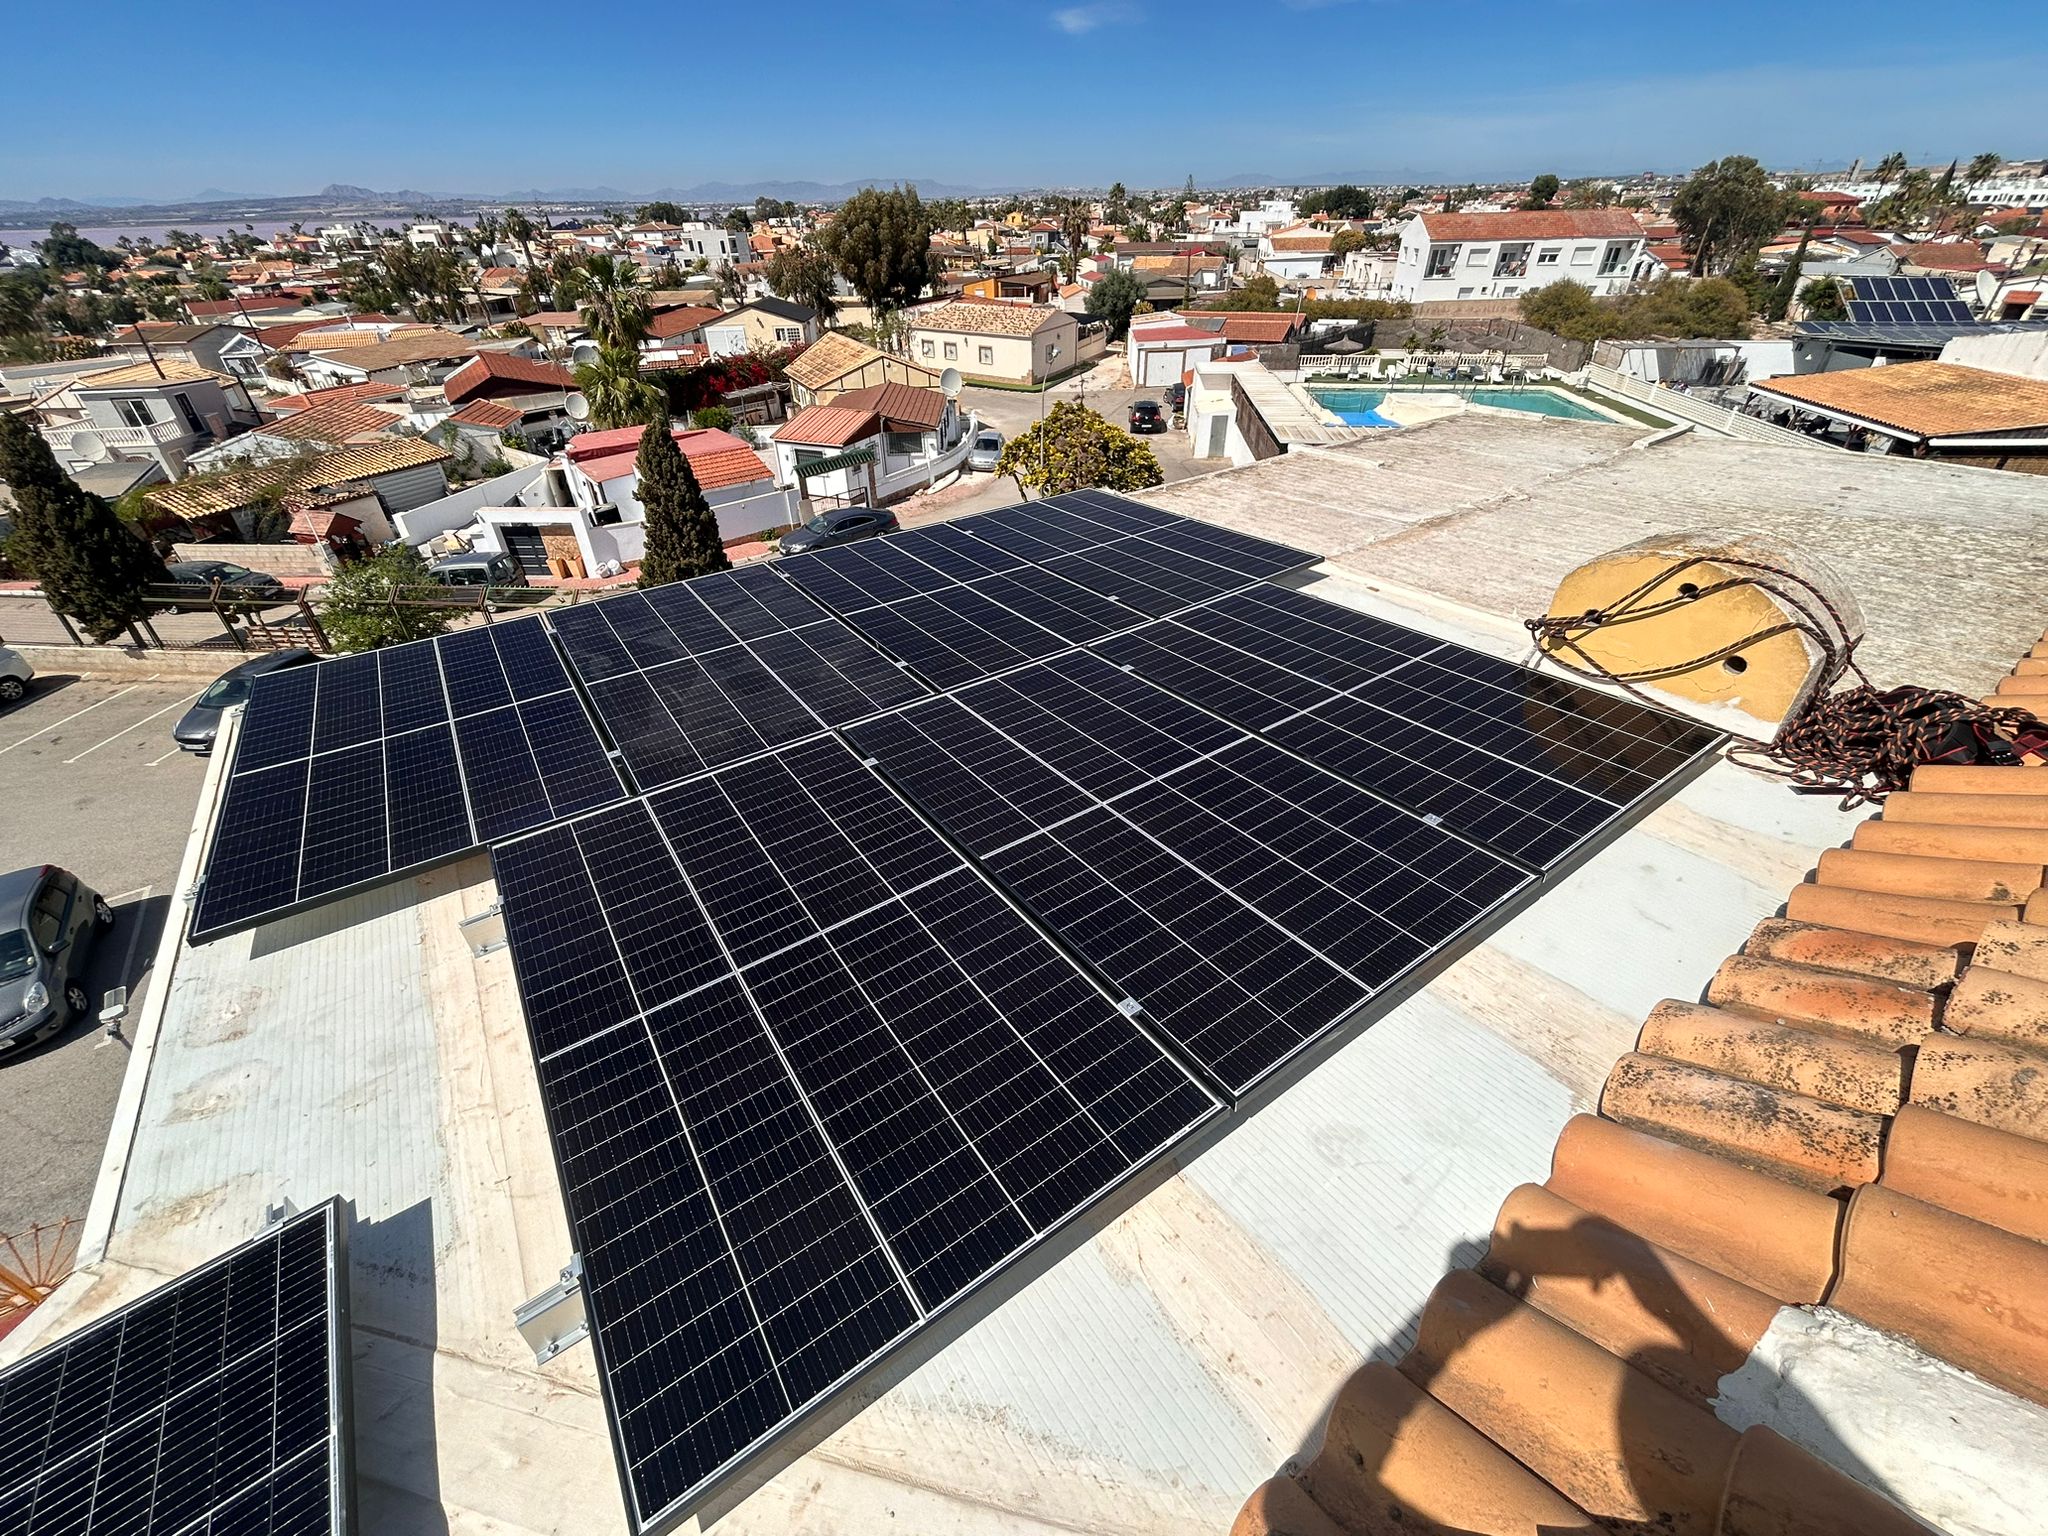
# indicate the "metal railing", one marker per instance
pixel 59 437
pixel 1721 419
pixel 1396 364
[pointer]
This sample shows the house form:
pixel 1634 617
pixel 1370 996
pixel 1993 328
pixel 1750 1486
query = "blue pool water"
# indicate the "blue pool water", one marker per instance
pixel 1360 407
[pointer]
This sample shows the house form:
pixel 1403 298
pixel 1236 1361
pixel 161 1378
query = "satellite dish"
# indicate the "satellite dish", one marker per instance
pixel 577 407
pixel 1987 289
pixel 949 383
pixel 584 352
pixel 89 445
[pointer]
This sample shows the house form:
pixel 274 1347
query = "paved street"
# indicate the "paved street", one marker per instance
pixel 91 782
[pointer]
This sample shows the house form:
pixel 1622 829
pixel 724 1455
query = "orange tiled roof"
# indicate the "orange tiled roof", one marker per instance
pixel 335 421
pixel 494 414
pixel 1537 224
pixel 1930 399
pixel 1857 1114
pixel 718 458
pixel 480 370
pixel 1946 255
pixel 306 399
pixel 681 320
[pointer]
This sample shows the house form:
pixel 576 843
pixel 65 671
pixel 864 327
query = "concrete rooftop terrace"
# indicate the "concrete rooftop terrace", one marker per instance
pixel 1164 1363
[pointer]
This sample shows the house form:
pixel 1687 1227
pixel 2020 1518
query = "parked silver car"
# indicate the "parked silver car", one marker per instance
pixel 49 920
pixel 15 674
pixel 987 450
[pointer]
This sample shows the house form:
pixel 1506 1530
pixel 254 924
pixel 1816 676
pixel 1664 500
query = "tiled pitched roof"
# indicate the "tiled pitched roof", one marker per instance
pixel 1946 255
pixel 828 426
pixel 977 317
pixel 421 346
pixel 336 421
pixel 498 277
pixel 494 414
pixel 1537 224
pixel 718 458
pixel 277 337
pixel 202 496
pixel 832 356
pixel 680 321
pixel 481 370
pixel 899 404
pixel 305 400
pixel 165 370
pixel 1930 399
pixel 1300 244
pixel 1887 1040
pixel 1255 327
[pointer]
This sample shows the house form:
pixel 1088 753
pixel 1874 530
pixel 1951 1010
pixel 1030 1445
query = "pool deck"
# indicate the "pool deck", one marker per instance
pixel 1412 406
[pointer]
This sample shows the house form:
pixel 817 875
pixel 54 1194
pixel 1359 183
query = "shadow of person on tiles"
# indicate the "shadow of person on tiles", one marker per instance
pixel 1672 1467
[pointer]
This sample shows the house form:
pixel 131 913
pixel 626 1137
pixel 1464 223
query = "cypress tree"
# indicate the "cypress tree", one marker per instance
pixel 88 563
pixel 681 530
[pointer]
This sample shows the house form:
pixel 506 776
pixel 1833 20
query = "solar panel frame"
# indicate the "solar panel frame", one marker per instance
pixel 154 1397
pixel 936 904
pixel 524 751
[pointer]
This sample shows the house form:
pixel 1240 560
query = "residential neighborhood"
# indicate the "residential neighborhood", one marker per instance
pixel 1173 771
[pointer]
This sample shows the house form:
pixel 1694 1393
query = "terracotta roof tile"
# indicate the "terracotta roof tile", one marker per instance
pixel 337 421
pixel 493 414
pixel 204 496
pixel 1543 224
pixel 978 317
pixel 486 368
pixel 165 370
pixel 680 321
pixel 827 426
pixel 1930 399
pixel 718 458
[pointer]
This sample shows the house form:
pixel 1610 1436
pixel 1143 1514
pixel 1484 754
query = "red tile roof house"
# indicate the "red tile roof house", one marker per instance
pixel 1501 255
pixel 593 514
pixel 879 444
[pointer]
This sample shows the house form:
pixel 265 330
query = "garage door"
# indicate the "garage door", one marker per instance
pixel 523 542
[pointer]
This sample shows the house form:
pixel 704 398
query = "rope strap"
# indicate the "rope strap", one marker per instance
pixel 1856 741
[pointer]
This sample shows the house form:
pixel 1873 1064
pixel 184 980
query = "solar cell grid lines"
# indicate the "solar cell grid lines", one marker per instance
pixel 1908 301
pixel 853 1079
pixel 354 769
pixel 216 1403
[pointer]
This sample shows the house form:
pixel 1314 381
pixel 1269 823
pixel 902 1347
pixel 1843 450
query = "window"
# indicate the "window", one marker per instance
pixel 1442 258
pixel 808 455
pixel 789 333
pixel 53 904
pixel 952 352
pixel 1582 256
pixel 925 346
pixel 192 422
pixel 137 413
pixel 1476 257
pixel 1547 258
pixel 906 443
pixel 1611 260
pixel 986 356
pixel 1513 260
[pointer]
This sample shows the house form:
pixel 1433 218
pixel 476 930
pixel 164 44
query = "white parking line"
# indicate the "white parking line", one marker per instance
pixel 37 735
pixel 174 704
pixel 170 754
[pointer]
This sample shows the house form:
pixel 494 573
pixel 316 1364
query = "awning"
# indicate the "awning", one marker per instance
pixel 850 459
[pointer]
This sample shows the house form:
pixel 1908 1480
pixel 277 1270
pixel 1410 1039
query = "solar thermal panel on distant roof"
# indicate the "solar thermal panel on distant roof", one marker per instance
pixel 216 1403
pixel 355 769
pixel 809 1080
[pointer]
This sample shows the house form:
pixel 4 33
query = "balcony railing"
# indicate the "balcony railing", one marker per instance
pixel 156 433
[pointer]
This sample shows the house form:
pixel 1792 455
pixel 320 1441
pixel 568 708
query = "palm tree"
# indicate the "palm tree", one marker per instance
pixel 519 227
pixel 618 396
pixel 1888 170
pixel 732 283
pixel 1981 168
pixel 614 301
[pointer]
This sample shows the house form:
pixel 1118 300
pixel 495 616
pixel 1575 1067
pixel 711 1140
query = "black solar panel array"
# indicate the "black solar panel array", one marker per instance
pixel 216 1404
pixel 1527 763
pixel 809 1080
pixel 1907 301
pixel 360 767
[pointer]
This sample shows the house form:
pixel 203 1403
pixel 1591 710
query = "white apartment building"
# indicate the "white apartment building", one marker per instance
pixel 1501 255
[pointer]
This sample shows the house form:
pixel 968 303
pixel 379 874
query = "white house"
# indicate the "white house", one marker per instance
pixel 871 446
pixel 590 515
pixel 765 325
pixel 1500 255
pixel 1294 252
pixel 164 412
pixel 1162 347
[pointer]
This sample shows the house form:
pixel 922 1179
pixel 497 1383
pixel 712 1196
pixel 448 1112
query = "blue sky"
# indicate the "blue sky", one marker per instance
pixel 156 99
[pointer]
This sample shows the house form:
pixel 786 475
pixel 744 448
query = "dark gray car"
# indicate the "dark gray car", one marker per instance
pixel 196 578
pixel 199 725
pixel 49 921
pixel 842 525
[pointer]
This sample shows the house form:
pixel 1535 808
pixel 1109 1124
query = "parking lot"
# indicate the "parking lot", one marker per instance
pixel 91 782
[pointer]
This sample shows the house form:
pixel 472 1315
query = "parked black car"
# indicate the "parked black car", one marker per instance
pixel 1177 396
pixel 842 525
pixel 49 921
pixel 195 578
pixel 197 728
pixel 1147 417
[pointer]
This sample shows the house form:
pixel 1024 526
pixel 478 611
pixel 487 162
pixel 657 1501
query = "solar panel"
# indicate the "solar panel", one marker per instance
pixel 1529 764
pixel 1907 301
pixel 809 1080
pixel 362 767
pixel 1246 901
pixel 216 1403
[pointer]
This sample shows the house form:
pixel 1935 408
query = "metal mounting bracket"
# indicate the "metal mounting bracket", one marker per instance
pixel 554 1320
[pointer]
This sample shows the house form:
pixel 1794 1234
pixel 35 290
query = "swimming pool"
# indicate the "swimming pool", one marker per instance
pixel 1360 407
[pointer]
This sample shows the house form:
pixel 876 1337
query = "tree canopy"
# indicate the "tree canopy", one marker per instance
pixel 805 275
pixel 1542 191
pixel 89 564
pixel 65 249
pixel 661 212
pixel 1115 298
pixel 882 243
pixel 362 608
pixel 681 529
pixel 1074 449
pixel 1342 202
pixel 1822 298
pixel 1710 307
pixel 1726 210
